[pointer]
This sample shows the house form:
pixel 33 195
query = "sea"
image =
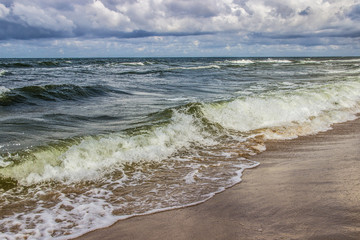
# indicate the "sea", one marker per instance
pixel 85 142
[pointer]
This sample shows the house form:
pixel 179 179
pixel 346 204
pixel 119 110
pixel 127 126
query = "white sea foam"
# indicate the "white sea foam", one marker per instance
pixel 270 60
pixel 239 62
pixel 197 67
pixel 2 162
pixel 74 215
pixel 306 110
pixel 86 210
pixel 134 63
pixel 176 99
pixel 354 60
pixel 274 114
pixel 93 157
pixel 2 72
pixel 333 72
pixel 190 177
pixel 3 90
pixel 282 114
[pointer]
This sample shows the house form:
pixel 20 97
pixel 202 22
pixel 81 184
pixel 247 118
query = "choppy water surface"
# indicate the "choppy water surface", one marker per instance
pixel 86 142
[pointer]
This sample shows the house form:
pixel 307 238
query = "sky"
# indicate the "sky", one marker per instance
pixel 179 28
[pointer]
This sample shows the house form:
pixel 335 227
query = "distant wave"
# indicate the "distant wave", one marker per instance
pixel 308 62
pixel 271 60
pixel 244 62
pixel 16 65
pixel 165 70
pixel 352 60
pixel 238 62
pixel 142 72
pixel 48 63
pixel 32 64
pixel 136 63
pixel 33 94
pixel 196 67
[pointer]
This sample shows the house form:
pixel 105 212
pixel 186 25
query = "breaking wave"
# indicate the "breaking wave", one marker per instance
pixel 171 157
pixel 281 115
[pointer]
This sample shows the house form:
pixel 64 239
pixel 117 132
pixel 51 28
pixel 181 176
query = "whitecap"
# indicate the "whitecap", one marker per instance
pixel 289 113
pixel 197 67
pixel 270 60
pixel 133 63
pixel 239 62
pixel 92 157
pixel 4 90
pixel 3 72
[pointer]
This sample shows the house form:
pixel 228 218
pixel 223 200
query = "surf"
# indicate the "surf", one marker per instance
pixel 81 138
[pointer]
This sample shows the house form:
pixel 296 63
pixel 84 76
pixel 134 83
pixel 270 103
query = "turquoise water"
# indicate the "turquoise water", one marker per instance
pixel 86 142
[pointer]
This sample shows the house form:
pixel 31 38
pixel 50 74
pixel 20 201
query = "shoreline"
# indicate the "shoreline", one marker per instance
pixel 305 188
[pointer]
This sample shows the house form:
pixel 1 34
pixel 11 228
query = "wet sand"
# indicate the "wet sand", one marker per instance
pixel 306 188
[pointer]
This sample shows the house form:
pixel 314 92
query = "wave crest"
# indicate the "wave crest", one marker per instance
pixel 308 110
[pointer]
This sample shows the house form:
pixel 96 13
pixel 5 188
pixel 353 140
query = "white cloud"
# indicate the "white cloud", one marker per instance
pixel 96 16
pixel 183 24
pixel 4 11
pixel 184 16
pixel 44 18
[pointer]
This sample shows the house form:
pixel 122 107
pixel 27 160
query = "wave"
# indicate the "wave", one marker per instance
pixel 351 60
pixel 146 72
pixel 245 62
pixel 48 63
pixel 238 62
pixel 35 64
pixel 270 60
pixel 178 157
pixel 289 113
pixel 134 63
pixel 167 70
pixel 308 61
pixel 3 90
pixel 33 94
pixel 284 114
pixel 16 65
pixel 92 157
pixel 197 67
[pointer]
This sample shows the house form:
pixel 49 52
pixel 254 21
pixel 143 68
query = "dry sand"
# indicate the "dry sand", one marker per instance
pixel 307 188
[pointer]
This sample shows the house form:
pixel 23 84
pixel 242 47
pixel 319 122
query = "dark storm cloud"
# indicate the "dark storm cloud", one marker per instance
pixel 355 12
pixel 9 30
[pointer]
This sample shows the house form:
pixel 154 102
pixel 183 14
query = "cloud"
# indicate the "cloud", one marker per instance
pixel 305 12
pixel 295 22
pixel 10 30
pixel 354 12
pixel 196 9
pixel 33 16
pixel 4 11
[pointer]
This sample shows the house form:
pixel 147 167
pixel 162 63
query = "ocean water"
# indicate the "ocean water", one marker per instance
pixel 86 142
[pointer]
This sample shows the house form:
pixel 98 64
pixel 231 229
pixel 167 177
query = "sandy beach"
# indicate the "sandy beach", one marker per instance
pixel 306 188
